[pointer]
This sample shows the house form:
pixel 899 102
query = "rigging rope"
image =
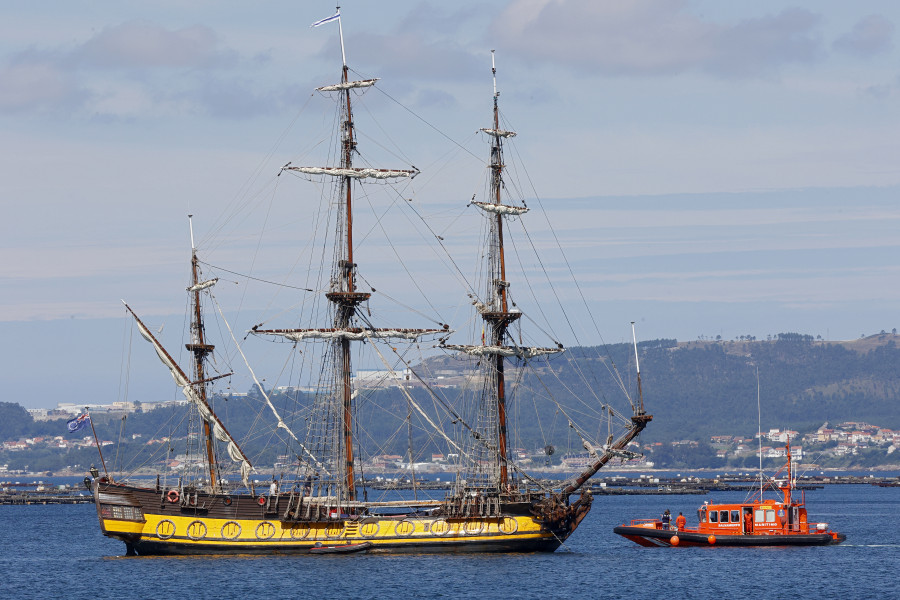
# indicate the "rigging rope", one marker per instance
pixel 281 423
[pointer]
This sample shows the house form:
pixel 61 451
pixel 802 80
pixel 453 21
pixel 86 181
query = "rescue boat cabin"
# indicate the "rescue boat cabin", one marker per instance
pixel 760 518
pixel 759 515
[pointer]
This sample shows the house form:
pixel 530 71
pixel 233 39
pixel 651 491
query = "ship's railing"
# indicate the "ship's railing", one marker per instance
pixel 644 522
pixel 473 506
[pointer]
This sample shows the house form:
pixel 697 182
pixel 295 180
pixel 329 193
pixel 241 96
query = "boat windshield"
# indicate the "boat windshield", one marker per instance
pixel 764 516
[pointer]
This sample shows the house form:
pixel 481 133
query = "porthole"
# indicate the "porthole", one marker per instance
pixel 231 530
pixel 405 528
pixel 440 527
pixel 265 530
pixel 196 530
pixel 165 529
pixel 508 525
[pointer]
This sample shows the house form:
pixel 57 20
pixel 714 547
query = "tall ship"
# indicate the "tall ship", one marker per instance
pixel 321 497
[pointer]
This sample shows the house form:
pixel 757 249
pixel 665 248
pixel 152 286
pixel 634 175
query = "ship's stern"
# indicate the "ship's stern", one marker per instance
pixel 119 511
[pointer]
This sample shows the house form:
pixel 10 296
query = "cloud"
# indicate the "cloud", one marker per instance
pixel 140 69
pixel 36 83
pixel 143 44
pixel 412 55
pixel 233 99
pixel 429 42
pixel 435 99
pixel 654 37
pixel 870 36
pixel 437 20
pixel 755 46
pixel 879 91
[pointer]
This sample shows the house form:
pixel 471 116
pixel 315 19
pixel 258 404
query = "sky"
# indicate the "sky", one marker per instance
pixel 709 168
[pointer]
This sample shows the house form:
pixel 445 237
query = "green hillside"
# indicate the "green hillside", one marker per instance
pixel 694 390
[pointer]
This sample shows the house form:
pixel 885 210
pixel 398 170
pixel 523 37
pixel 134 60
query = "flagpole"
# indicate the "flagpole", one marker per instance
pixel 341 33
pixel 99 451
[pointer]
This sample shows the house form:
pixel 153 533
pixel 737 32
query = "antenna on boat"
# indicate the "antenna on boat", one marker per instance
pixel 637 365
pixel 759 434
pixel 191 225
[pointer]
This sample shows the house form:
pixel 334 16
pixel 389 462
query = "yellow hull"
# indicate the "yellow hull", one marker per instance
pixel 150 524
pixel 198 535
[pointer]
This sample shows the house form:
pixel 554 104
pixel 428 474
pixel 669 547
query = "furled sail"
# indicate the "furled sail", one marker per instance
pixel 501 209
pixel 356 173
pixel 203 285
pixel 499 132
pixel 182 380
pixel 353 333
pixel 507 351
pixel 339 87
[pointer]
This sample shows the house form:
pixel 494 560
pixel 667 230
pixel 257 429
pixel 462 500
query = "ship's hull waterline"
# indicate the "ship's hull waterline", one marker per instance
pixel 150 524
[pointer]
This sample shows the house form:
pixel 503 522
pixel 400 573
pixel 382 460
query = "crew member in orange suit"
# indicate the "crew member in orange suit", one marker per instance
pixel 680 522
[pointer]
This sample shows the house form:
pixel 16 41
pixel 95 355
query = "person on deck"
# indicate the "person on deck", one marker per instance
pixel 666 519
pixel 748 521
pixel 680 522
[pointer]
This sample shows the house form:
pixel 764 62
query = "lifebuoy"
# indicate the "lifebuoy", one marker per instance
pixel 173 496
pixel 261 500
pixel 226 500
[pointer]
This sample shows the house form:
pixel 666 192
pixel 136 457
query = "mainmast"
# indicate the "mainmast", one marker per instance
pixel 498 319
pixel 343 294
pixel 200 350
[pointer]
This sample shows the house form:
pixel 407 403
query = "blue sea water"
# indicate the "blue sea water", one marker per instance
pixel 58 552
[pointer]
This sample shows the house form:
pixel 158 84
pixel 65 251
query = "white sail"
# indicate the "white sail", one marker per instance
pixel 508 351
pixel 203 285
pixel 499 132
pixel 501 209
pixel 353 334
pixel 347 86
pixel 234 451
pixel 356 173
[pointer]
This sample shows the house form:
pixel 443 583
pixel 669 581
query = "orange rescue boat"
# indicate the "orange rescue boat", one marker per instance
pixel 755 522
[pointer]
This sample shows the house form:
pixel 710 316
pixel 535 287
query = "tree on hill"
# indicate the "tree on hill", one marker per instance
pixel 15 421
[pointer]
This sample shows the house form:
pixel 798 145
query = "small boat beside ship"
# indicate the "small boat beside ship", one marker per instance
pixel 755 522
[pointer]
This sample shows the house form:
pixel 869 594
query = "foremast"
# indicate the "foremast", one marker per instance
pixel 190 389
pixel 200 350
pixel 496 312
